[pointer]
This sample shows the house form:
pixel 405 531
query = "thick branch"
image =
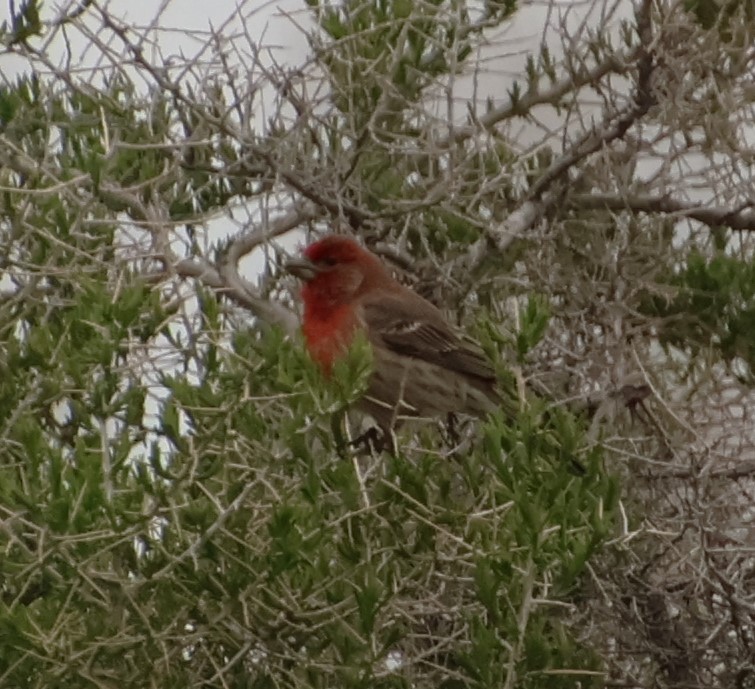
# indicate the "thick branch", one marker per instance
pixel 500 236
pixel 240 291
pixel 247 242
pixel 742 218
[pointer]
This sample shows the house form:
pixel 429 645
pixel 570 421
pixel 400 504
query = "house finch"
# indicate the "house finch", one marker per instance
pixel 422 368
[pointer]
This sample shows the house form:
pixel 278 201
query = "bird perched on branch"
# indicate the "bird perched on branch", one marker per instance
pixel 422 367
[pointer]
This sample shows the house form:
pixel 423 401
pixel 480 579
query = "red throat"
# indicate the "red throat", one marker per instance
pixel 344 272
pixel 328 332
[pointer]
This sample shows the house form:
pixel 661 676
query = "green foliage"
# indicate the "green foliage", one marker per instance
pixel 350 373
pixel 24 23
pixel 407 42
pixel 713 306
pixel 174 499
pixel 234 529
pixel 532 325
pixel 70 417
pixel 381 58
pixel 119 133
pixel 178 502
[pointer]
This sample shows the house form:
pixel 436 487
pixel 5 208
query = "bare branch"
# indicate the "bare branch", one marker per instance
pixel 234 287
pixel 742 218
pixel 618 63
pixel 247 242
pixel 501 236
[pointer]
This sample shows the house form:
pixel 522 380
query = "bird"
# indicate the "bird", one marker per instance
pixel 422 366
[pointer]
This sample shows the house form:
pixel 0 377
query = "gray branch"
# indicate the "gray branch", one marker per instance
pixel 742 218
pixel 619 63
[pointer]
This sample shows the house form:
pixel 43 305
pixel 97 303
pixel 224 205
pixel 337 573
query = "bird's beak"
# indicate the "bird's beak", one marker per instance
pixel 302 268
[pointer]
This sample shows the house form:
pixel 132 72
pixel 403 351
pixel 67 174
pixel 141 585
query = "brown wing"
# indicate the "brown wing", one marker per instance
pixel 411 326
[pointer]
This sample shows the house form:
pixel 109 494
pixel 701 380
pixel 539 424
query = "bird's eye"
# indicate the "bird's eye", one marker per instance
pixel 327 261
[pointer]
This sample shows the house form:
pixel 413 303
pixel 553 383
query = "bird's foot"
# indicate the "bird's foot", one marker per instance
pixel 373 441
pixel 452 429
